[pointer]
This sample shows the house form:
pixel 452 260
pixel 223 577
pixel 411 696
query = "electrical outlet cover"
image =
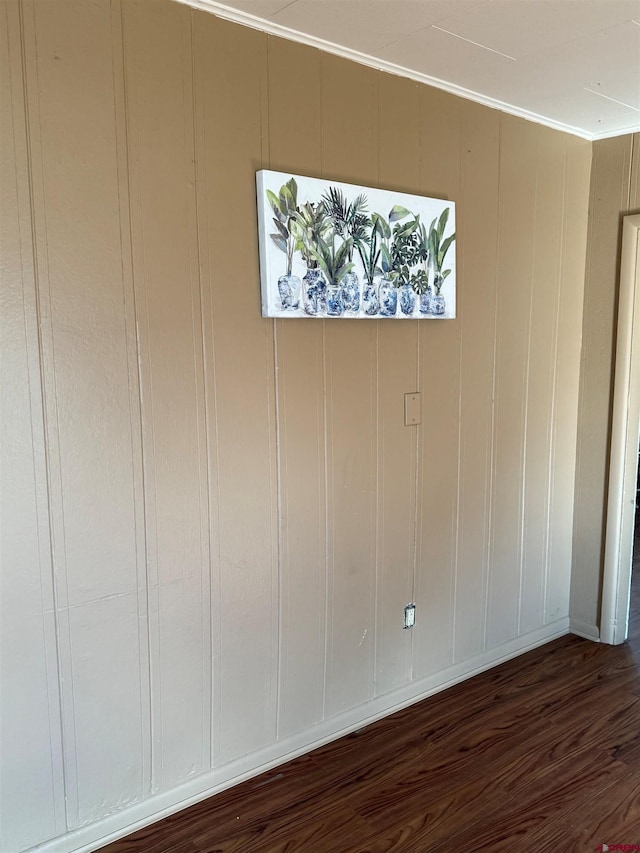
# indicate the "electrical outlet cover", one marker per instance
pixel 409 616
pixel 412 409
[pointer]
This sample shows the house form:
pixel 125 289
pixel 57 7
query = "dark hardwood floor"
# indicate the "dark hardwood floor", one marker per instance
pixel 539 754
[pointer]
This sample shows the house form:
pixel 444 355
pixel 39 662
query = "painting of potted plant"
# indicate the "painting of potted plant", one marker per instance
pixel 342 259
pixel 420 278
pixel 284 207
pixel 387 291
pixel 309 226
pixel 350 222
pixel 438 249
pixel 369 251
pixel 404 255
pixel 335 264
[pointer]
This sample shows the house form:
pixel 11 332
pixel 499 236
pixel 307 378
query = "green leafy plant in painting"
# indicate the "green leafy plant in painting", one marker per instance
pixel 420 278
pixel 349 221
pixel 285 207
pixel 333 262
pixel 438 249
pixel 310 224
pixel 398 257
pixel 370 248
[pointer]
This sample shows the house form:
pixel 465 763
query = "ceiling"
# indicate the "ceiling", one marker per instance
pixel 570 64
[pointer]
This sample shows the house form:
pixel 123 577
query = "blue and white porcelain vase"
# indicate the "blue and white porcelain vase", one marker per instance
pixel 407 300
pixel 424 304
pixel 335 300
pixel 314 286
pixel 351 292
pixel 388 298
pixel 370 299
pixel 437 304
pixel 289 290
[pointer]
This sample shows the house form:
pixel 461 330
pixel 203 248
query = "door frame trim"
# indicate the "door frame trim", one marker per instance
pixel 625 434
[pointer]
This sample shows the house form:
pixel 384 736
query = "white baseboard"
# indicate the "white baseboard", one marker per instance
pixel 157 806
pixel 584 629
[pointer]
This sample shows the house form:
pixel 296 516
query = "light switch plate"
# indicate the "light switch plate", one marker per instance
pixel 412 409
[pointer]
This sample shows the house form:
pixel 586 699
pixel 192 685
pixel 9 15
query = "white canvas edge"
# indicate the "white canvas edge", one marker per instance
pixel 262 227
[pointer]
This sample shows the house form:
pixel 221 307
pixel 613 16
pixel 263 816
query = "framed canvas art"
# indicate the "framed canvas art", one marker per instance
pixel 335 250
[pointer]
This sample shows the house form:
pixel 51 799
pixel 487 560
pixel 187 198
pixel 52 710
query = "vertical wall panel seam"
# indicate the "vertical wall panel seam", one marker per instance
pixel 373 552
pixel 279 388
pixel 458 492
pixel 199 385
pixel 453 535
pixel 135 393
pixel 492 449
pixel 418 435
pixel 273 535
pixel 487 520
pixel 50 418
pixel 328 480
pixel 328 549
pixel 459 478
pixel 274 539
pixel 417 499
pixel 265 125
pixel 460 319
pixel 277 556
pixel 525 413
pixel 211 405
pixel 583 361
pixel 416 478
pixel 554 405
pixel 323 608
pixel 629 174
pixel 378 526
pixel 149 454
pixel 373 510
pixel 419 439
pixel 375 133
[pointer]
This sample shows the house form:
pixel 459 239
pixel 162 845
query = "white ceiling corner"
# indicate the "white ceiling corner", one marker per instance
pixel 573 65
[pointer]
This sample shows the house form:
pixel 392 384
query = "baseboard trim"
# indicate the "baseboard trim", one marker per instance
pixel 158 806
pixel 584 629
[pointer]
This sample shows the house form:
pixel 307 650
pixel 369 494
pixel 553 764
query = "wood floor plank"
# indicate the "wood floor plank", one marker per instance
pixel 611 817
pixel 512 817
pixel 318 830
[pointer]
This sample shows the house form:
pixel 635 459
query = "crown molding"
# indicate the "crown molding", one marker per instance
pixel 246 20
pixel 632 128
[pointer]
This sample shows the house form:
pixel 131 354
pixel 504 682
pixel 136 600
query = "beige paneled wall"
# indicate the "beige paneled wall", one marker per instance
pixel 615 191
pixel 30 741
pixel 438 355
pixel 480 171
pixel 296 144
pixel 86 348
pixel 229 512
pixel 239 358
pixel 159 106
